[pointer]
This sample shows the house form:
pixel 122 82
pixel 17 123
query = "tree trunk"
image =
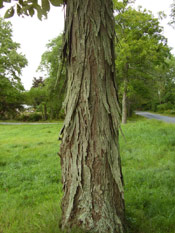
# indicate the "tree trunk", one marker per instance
pixel 124 107
pixel 91 169
pixel 129 108
pixel 45 111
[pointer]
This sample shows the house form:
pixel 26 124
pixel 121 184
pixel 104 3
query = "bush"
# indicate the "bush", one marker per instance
pixel 35 117
pixel 164 107
pixel 30 117
pixel 170 111
pixel 61 115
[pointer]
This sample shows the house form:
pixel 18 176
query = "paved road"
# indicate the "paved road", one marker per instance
pixel 156 116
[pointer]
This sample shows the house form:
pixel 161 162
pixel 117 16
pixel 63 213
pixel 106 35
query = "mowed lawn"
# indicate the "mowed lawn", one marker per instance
pixel 30 177
pixel 148 160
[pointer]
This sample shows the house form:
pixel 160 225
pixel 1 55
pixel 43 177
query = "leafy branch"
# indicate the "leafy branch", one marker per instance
pixel 30 7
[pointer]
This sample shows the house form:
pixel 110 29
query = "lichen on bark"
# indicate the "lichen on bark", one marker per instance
pixel 91 170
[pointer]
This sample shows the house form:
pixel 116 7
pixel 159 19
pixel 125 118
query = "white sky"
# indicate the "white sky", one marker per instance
pixel 34 34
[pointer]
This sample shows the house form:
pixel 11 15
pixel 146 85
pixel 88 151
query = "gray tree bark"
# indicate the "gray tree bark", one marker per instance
pixel 91 169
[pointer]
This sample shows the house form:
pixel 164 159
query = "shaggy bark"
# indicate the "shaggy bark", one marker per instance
pixel 91 169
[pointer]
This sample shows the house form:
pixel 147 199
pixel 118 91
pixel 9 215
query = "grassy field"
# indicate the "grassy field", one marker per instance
pixel 30 177
pixel 148 159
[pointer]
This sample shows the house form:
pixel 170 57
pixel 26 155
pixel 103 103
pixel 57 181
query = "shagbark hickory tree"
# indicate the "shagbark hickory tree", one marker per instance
pixel 91 169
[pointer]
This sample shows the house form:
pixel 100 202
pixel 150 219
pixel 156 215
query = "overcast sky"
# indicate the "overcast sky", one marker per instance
pixel 33 34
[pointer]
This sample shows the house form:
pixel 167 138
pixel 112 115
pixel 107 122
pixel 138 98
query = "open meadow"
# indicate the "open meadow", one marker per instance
pixel 30 177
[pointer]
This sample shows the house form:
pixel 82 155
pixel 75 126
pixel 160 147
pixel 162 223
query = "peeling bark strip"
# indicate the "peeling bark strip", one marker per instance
pixel 91 170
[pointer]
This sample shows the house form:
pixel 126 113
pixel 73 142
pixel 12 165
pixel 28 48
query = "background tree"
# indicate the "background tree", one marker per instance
pixel 11 64
pixel 38 82
pixel 47 95
pixel 164 97
pixel 37 97
pixel 55 77
pixel 141 48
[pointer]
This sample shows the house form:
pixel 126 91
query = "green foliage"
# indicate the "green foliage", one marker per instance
pixel 11 64
pixel 172 14
pixel 164 107
pixel 141 49
pixel 38 97
pixel 164 87
pixel 30 7
pixel 10 99
pixel 38 82
pixel 61 115
pixel 36 116
pixel 47 95
pixel 11 61
pixel 9 13
pixel 170 112
pixel 56 2
pixel 55 82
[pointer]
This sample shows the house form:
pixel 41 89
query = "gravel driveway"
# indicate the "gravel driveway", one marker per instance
pixel 156 116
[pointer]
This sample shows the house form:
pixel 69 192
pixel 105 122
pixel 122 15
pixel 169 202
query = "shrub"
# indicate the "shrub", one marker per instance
pixel 61 115
pixel 164 107
pixel 170 111
pixel 35 117
pixel 30 117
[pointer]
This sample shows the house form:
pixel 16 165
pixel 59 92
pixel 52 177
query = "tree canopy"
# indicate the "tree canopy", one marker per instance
pixel 49 93
pixel 11 64
pixel 141 48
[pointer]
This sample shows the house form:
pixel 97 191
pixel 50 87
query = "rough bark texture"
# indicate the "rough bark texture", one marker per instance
pixel 91 170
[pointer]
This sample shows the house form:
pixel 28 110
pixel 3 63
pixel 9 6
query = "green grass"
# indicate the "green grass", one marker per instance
pixel 30 177
pixel 148 159
pixel 30 122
